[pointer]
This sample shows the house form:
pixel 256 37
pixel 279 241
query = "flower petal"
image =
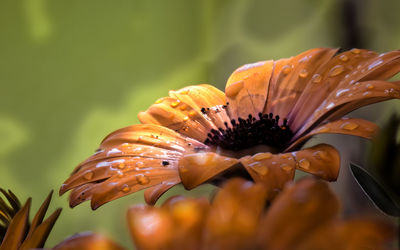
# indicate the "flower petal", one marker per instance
pixel 298 210
pixel 231 224
pixel 338 75
pixel 152 194
pixel 346 100
pixel 150 227
pixel 195 169
pixel 247 89
pixel 349 234
pixel 347 126
pixel 291 76
pixel 17 228
pixel 87 240
pixel 273 170
pixel 321 160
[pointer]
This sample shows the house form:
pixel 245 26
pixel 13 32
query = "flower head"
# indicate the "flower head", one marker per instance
pixel 255 129
pixel 15 230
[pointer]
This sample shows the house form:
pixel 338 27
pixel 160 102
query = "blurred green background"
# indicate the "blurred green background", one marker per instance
pixel 73 71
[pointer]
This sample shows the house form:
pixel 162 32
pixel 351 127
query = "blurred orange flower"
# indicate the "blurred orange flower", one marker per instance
pixel 15 230
pixel 255 129
pixel 303 216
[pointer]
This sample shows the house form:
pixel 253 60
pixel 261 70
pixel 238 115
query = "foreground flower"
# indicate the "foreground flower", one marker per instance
pixel 16 231
pixel 303 216
pixel 269 110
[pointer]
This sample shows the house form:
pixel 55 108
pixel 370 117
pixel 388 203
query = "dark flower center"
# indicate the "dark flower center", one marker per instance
pixel 251 132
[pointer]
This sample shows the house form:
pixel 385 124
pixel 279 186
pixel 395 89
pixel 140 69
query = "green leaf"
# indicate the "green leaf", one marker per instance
pixel 375 191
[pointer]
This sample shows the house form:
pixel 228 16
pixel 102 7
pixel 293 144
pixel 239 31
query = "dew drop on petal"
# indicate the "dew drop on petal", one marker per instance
pixel 125 188
pixel 183 107
pixel 234 89
pixel 343 58
pixel 367 93
pixel 142 179
pixel 286 167
pixel 192 113
pixel 370 86
pixel 304 164
pixel 120 174
pixel 341 92
pixel 303 73
pixel 349 126
pixel 285 156
pixel 259 168
pixel 356 51
pixel 88 176
pixel 139 164
pixel 336 70
pixel 316 78
pixel 261 156
pixel 121 166
pixel 323 129
pixel 286 69
pixel 185 118
pixel 321 155
pixel 175 104
pixel 374 64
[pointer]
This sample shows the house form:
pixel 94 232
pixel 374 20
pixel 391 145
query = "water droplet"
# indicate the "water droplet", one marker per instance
pixel 259 168
pixel 286 167
pixel 304 164
pixel 321 155
pixel 343 58
pixel 316 78
pixel 88 176
pixel 340 92
pixel 349 126
pixel 120 174
pixel 356 51
pixel 303 73
pixel 139 164
pixel 370 86
pixel 183 107
pixel 323 129
pixel 285 156
pixel 185 118
pixel 392 92
pixel 330 105
pixel 233 89
pixel 261 156
pixel 125 188
pixel 367 93
pixel 121 166
pixel 286 69
pixel 175 104
pixel 337 70
pixel 142 179
pixel 374 64
pixel 192 113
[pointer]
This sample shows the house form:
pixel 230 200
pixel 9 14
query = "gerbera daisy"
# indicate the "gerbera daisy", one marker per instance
pixel 15 230
pixel 303 216
pixel 255 129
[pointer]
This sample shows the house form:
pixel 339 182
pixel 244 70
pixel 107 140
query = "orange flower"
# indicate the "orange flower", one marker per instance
pixel 269 110
pixel 16 231
pixel 303 216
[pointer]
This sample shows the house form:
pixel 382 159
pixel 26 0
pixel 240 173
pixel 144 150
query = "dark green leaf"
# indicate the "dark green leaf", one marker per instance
pixel 375 191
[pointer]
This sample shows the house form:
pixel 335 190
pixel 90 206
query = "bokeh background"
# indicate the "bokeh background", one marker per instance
pixel 73 71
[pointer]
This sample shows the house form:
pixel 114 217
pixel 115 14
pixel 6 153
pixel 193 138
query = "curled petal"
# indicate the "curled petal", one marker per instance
pixel 350 234
pixel 321 160
pixel 152 194
pixel 273 170
pixel 231 224
pixel 347 126
pixel 247 89
pixel 89 241
pixel 304 206
pixel 195 169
